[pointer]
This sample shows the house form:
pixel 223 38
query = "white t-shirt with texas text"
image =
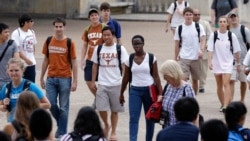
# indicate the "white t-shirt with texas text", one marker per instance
pixel 109 72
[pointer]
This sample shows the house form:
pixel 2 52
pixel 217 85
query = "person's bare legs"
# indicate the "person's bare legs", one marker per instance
pixel 195 86
pixel 89 86
pixel 220 92
pixel 173 30
pixel 243 89
pixel 114 121
pixel 232 83
pixel 104 117
pixel 227 92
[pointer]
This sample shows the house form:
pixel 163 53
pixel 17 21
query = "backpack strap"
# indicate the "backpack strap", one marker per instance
pixel 10 42
pixel 7 93
pixel 231 42
pixel 243 33
pixel 26 85
pixel 179 33
pixel 118 49
pixel 184 91
pixel 197 26
pixel 69 48
pixel 151 59
pixel 16 125
pixel 48 40
pixel 215 36
pixel 98 54
pixel 131 59
pixel 165 89
pixel 47 44
pixel 175 6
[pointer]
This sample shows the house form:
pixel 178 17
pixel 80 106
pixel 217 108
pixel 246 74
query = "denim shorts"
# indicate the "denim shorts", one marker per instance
pixel 88 70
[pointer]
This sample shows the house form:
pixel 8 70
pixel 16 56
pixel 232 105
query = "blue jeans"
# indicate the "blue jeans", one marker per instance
pixel 59 87
pixel 137 97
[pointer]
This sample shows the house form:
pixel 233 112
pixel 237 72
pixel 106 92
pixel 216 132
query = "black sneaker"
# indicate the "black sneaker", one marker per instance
pixel 201 90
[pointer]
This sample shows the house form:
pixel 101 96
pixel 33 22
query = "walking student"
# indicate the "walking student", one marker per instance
pixel 92 37
pixel 8 49
pixel 108 20
pixel 25 39
pixel 243 35
pixel 60 62
pixel 203 61
pixel 189 47
pixel 108 59
pixel 224 49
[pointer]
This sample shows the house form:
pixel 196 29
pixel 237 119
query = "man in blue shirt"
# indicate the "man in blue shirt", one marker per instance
pixel 187 112
pixel 106 19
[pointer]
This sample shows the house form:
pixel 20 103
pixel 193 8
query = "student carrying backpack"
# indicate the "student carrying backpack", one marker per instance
pixel 197 27
pixel 8 90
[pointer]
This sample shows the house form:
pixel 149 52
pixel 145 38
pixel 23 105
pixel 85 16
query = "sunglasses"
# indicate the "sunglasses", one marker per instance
pixel 197 14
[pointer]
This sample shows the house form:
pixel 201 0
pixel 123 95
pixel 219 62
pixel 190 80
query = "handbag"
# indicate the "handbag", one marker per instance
pixel 154 112
pixel 153 92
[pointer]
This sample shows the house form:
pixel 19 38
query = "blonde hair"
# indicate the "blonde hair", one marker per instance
pixel 172 69
pixel 17 61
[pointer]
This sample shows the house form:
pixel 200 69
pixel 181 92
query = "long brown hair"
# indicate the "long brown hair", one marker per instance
pixel 26 104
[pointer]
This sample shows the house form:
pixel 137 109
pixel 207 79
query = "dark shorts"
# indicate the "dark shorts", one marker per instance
pixel 88 70
pixel 30 73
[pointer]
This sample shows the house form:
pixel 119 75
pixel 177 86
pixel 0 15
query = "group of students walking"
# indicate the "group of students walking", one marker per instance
pixel 105 60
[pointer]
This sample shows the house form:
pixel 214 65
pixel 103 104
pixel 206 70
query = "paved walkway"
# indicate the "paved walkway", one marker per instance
pixel 156 41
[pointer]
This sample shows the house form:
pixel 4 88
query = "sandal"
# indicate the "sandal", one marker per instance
pixel 113 138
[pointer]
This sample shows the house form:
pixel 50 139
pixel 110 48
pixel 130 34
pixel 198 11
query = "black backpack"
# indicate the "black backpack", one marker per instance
pixel 243 33
pixel 150 63
pixel 229 38
pixel 175 5
pixel 68 45
pixel 197 27
pixel 118 49
pixel 26 86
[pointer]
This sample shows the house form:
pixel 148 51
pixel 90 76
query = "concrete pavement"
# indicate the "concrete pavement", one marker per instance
pixel 156 41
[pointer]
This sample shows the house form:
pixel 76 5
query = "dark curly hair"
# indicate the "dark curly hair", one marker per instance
pixel 87 122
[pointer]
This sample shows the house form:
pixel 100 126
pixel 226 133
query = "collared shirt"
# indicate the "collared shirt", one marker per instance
pixel 171 95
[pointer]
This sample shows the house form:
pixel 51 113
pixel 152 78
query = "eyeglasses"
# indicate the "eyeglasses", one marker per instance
pixel 197 14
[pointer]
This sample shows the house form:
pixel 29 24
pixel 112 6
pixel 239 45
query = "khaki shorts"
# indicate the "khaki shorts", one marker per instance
pixel 241 76
pixel 107 98
pixel 192 67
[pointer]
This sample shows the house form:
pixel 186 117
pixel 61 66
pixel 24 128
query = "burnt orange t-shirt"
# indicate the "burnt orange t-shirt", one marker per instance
pixel 59 65
pixel 93 37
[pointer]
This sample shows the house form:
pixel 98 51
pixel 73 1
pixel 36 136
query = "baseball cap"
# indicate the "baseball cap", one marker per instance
pixel 232 14
pixel 92 10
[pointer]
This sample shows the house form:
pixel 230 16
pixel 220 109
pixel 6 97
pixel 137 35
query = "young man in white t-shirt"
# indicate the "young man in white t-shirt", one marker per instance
pixel 25 39
pixel 109 80
pixel 191 49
